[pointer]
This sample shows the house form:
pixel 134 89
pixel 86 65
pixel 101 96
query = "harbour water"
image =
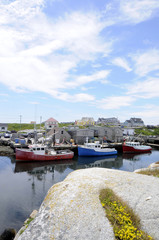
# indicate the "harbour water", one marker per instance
pixel 24 185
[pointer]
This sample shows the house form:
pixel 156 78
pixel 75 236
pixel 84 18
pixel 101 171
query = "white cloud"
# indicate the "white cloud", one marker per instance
pixel 38 54
pixel 146 62
pixel 82 97
pixel 121 62
pixel 17 9
pixel 130 12
pixel 137 11
pixel 145 89
pixel 115 102
pixel 80 34
pixel 79 97
pixel 99 76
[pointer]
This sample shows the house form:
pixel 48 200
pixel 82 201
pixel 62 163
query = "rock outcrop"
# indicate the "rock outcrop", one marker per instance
pixel 72 209
pixel 6 150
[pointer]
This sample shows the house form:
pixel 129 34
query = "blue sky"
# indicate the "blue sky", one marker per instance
pixel 71 59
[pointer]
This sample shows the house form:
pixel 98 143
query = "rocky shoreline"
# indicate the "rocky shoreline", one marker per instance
pixel 72 209
pixel 6 151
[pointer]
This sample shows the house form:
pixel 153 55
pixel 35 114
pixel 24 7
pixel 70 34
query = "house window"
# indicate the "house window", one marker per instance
pixel 61 132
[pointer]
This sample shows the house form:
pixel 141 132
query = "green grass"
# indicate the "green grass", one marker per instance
pixel 126 224
pixel 154 172
pixel 23 126
pixel 65 124
pixel 147 132
pixel 26 224
pixel 143 131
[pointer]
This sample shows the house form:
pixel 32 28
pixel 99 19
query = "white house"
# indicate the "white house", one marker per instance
pixel 137 122
pixel 51 123
pixel 3 127
pixel 134 122
pixel 109 121
pixel 85 121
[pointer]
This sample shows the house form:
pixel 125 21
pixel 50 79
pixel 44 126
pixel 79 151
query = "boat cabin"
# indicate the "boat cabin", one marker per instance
pixel 133 144
pixel 42 150
pixel 93 145
pixel 38 149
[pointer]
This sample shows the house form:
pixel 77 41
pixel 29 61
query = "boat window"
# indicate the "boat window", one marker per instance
pixel 38 149
pixel 42 149
pixel 34 149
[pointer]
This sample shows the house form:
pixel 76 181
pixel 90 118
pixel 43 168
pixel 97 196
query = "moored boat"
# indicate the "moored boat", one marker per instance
pixel 95 149
pixel 41 153
pixel 135 147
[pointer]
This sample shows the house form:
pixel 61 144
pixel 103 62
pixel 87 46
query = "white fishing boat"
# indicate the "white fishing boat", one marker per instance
pixel 135 147
pixel 95 149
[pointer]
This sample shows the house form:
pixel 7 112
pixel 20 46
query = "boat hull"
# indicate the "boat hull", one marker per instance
pixel 130 149
pixel 82 151
pixel 24 155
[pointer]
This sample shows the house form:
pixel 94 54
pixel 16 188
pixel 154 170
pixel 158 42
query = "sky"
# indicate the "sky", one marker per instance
pixel 70 59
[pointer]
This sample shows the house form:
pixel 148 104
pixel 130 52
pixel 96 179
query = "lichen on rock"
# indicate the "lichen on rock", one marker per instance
pixel 72 209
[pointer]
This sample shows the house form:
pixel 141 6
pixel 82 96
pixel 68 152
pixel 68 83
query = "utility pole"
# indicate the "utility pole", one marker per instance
pixel 40 122
pixel 20 121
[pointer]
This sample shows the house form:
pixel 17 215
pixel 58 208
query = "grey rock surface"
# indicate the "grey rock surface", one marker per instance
pixel 6 150
pixel 72 210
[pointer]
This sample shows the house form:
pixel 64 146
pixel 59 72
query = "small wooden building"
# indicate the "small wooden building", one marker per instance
pixel 59 135
pixel 51 123
pixel 3 127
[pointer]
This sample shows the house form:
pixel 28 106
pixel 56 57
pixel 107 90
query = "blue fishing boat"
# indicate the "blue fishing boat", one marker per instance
pixel 95 149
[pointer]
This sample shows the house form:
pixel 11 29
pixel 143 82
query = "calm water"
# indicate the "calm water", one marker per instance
pixel 24 185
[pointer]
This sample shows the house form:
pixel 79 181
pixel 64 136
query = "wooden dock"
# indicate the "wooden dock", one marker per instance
pixel 153 145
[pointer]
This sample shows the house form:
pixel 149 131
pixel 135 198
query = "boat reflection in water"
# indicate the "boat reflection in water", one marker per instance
pixel 100 161
pixel 43 167
pixel 133 161
pixel 61 166
pixel 134 156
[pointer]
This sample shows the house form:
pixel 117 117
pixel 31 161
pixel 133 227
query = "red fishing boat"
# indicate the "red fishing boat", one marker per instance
pixel 41 153
pixel 135 147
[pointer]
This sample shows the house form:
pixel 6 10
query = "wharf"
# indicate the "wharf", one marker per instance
pixel 117 146
pixel 73 148
pixel 153 145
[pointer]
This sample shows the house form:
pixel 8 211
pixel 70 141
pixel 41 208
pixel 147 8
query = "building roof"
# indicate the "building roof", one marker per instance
pixel 51 120
pixel 137 119
pixel 3 124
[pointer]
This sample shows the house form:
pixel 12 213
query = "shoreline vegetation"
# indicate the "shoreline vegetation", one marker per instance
pixel 125 222
pixel 150 172
pixel 146 131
